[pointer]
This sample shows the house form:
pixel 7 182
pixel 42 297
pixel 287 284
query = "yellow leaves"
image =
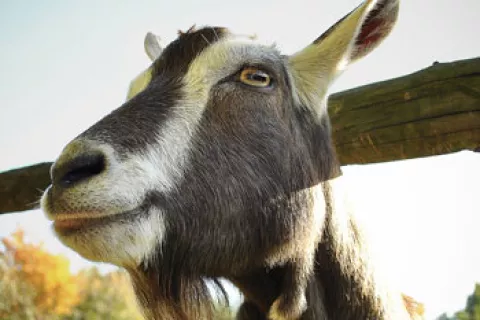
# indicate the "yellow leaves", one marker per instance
pixel 414 308
pixel 55 289
pixel 35 284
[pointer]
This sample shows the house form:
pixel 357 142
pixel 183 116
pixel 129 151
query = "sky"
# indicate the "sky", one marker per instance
pixel 65 64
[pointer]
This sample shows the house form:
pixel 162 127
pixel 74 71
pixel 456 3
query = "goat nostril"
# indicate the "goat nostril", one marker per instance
pixel 81 168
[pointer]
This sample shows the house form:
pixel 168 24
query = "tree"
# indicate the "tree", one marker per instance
pixel 472 308
pixel 107 296
pixel 35 284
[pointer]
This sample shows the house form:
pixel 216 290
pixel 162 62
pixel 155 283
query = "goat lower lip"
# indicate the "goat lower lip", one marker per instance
pixel 73 224
pixel 65 225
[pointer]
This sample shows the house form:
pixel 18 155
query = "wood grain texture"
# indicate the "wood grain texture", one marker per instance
pixel 431 112
pixel 21 189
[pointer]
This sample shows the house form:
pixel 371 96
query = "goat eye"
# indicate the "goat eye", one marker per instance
pixel 255 78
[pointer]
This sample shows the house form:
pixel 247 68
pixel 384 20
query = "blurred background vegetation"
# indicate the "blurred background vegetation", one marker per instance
pixel 38 285
pixel 472 308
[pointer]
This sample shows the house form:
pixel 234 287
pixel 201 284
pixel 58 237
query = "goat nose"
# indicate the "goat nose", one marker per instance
pixel 78 168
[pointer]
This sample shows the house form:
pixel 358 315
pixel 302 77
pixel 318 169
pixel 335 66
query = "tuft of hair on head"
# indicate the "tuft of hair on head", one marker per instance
pixel 192 29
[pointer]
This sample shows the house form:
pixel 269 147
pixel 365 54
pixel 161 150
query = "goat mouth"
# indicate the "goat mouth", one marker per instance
pixel 66 226
pixel 74 223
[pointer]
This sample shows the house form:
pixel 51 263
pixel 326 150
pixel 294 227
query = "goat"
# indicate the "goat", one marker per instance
pixel 221 164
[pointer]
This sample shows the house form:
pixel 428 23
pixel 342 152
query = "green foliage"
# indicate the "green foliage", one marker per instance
pixel 472 308
pixel 105 297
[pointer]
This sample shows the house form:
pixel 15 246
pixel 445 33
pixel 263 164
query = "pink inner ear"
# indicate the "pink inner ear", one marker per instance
pixel 376 27
pixel 372 32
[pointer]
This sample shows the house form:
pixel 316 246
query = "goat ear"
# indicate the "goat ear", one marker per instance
pixel 140 82
pixel 315 67
pixel 153 50
pixel 152 46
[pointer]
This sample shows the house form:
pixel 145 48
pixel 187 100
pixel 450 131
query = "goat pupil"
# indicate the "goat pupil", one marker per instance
pixel 258 77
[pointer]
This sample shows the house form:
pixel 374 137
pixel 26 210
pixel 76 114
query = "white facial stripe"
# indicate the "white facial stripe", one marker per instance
pixel 163 164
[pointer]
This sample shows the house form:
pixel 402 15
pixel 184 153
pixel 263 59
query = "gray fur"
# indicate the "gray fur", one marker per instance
pixel 245 191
